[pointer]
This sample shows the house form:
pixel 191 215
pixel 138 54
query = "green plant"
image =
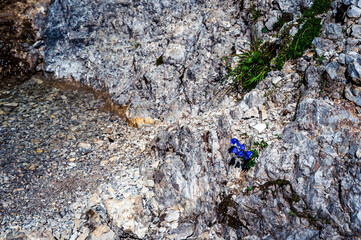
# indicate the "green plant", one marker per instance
pixel 255 14
pixel 319 59
pixel 280 61
pixel 263 144
pixel 247 158
pixel 264 30
pixel 304 37
pixel 318 7
pixel 252 66
pixel 136 45
pixel 233 49
pixel 291 213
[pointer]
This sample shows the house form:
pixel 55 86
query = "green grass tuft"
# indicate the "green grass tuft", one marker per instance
pixel 252 66
pixel 318 7
pixel 256 14
pixel 304 37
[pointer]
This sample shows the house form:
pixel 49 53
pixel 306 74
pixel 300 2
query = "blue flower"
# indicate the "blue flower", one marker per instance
pixel 234 150
pixel 234 141
pixel 248 155
pixel 240 154
pixel 242 147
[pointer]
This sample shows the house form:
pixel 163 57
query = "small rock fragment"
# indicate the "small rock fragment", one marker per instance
pixel 353 12
pixel 260 127
pixel 353 93
pixel 85 146
pixel 263 111
pixel 276 80
pixel 332 69
pixel 251 113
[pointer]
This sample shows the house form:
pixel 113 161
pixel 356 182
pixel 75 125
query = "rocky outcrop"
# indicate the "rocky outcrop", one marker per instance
pixel 159 60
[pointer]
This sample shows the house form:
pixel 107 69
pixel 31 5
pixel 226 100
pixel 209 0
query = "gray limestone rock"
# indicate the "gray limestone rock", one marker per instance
pixel 333 31
pixel 156 57
pixel 274 15
pixel 324 47
pixel 312 77
pixel 333 69
pixel 354 11
pixel 353 93
pixel 174 178
pixel 353 62
pixel 356 31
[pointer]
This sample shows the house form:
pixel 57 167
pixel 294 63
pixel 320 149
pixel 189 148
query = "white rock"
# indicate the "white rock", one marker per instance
pixel 172 215
pixel 358 153
pixel 85 146
pixel 251 113
pixel 149 183
pixel 276 80
pixel 243 106
pixel 174 53
pixel 102 232
pixel 260 127
pixel 11 104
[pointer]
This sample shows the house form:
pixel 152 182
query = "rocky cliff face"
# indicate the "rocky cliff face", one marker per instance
pixel 160 59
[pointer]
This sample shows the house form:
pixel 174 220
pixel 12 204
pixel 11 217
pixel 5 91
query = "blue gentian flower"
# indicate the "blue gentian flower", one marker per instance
pixel 248 155
pixel 242 147
pixel 234 141
pixel 240 154
pixel 235 150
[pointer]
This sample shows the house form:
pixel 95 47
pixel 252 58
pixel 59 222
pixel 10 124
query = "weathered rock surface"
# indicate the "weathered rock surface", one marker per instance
pixel 171 179
pixel 166 50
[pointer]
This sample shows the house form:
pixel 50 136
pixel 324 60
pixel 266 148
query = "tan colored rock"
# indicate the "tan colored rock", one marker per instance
pixel 94 200
pixel 127 214
pixel 46 235
pixel 102 232
pixel 263 111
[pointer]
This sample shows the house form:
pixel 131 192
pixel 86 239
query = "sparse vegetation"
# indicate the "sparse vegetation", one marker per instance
pixel 303 38
pixel 285 18
pixel 253 65
pixel 255 14
pixel 247 159
pixel 318 7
